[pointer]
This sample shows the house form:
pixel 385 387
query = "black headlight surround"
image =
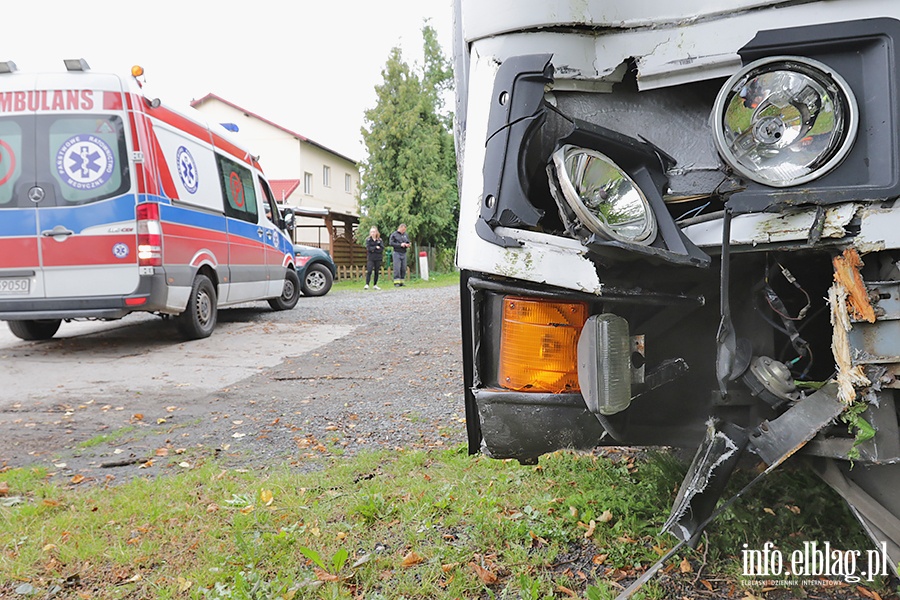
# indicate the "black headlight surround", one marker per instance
pixel 865 54
pixel 524 131
pixel 646 165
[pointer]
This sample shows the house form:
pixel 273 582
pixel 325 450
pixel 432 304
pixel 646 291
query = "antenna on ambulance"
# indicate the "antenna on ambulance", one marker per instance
pixel 137 71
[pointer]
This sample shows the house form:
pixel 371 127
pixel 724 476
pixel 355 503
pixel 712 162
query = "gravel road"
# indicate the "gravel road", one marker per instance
pixel 393 379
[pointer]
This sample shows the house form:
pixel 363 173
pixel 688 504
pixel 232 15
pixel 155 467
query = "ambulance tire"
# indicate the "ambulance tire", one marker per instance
pixel 34 330
pixel 290 293
pixel 317 281
pixel 199 318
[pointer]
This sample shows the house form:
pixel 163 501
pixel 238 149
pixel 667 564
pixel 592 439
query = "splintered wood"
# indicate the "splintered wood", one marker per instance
pixel 848 299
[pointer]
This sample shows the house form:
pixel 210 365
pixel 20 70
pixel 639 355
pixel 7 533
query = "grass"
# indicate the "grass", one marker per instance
pixel 417 524
pixel 434 280
pixel 107 438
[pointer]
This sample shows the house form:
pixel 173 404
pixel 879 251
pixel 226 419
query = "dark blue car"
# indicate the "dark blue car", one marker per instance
pixel 315 268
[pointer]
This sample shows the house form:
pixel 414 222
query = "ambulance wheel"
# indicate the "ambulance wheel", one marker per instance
pixel 290 294
pixel 199 318
pixel 317 281
pixel 34 330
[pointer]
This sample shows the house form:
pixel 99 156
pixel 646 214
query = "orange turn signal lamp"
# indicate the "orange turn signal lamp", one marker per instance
pixel 539 344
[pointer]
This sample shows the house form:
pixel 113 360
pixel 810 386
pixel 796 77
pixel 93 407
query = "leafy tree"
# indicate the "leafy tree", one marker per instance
pixel 410 173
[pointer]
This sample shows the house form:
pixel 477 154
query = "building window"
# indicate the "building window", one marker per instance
pixel 347 182
pixel 326 176
pixel 307 183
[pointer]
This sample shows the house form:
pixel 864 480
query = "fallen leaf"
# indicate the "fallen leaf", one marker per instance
pixel 4 488
pixel 685 565
pixel 606 517
pixel 484 575
pixel 146 465
pixel 769 511
pixel 590 530
pixel 162 452
pixel 50 502
pixel 211 508
pixel 411 559
pixel 573 511
pixel 183 584
pixel 137 417
pixel 247 509
pixel 599 559
pixel 707 584
pixel 793 509
pixel 160 421
pixel 449 567
pixel 77 479
pixel 566 591
pixel 325 575
pixel 266 497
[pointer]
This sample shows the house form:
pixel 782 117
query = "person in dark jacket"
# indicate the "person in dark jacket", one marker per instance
pixel 374 254
pixel 399 241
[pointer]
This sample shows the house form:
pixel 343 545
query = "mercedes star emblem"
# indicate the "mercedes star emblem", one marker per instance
pixel 36 194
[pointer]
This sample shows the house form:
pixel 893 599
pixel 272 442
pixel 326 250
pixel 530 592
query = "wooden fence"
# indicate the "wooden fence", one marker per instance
pixel 359 272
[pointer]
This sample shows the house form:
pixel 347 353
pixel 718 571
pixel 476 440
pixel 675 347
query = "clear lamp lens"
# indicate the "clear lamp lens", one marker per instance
pixel 783 121
pixel 604 198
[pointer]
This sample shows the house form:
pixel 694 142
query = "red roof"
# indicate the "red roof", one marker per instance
pixel 283 188
pixel 196 103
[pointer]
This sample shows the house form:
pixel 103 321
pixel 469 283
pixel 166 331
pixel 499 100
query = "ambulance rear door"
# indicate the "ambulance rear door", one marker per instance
pixel 80 182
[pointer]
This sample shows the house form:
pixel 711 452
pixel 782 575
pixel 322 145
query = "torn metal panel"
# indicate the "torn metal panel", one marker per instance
pixel 872 494
pixel 706 478
pixel 883 448
pixel 879 229
pixel 776 440
pixel 771 228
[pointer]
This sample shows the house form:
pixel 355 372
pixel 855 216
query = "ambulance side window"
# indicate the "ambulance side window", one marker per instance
pixel 271 206
pixel 238 190
pixel 10 158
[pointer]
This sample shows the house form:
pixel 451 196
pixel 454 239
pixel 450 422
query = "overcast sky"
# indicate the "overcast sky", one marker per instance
pixel 310 66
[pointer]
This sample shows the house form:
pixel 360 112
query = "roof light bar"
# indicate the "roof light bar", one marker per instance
pixel 8 67
pixel 76 64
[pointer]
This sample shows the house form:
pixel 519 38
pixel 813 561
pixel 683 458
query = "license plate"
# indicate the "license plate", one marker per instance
pixel 15 285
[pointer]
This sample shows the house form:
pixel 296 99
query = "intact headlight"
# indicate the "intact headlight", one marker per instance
pixel 785 120
pixel 603 197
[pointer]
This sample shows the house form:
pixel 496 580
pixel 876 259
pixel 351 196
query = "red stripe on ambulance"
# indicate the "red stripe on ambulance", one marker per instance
pixel 18 253
pixel 87 250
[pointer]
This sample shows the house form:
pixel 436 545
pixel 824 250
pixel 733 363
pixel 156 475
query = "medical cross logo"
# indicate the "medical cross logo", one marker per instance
pixel 120 250
pixel 187 169
pixel 85 162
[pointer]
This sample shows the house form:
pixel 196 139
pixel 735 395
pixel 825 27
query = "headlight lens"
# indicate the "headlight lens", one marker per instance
pixel 604 198
pixel 783 120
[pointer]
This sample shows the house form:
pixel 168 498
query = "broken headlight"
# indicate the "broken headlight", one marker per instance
pixel 783 121
pixel 605 199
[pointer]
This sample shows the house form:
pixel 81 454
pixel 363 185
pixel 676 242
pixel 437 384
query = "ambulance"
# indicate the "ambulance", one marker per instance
pixel 113 203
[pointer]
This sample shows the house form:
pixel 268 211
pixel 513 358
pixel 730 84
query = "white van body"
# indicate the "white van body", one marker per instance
pixel 112 203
